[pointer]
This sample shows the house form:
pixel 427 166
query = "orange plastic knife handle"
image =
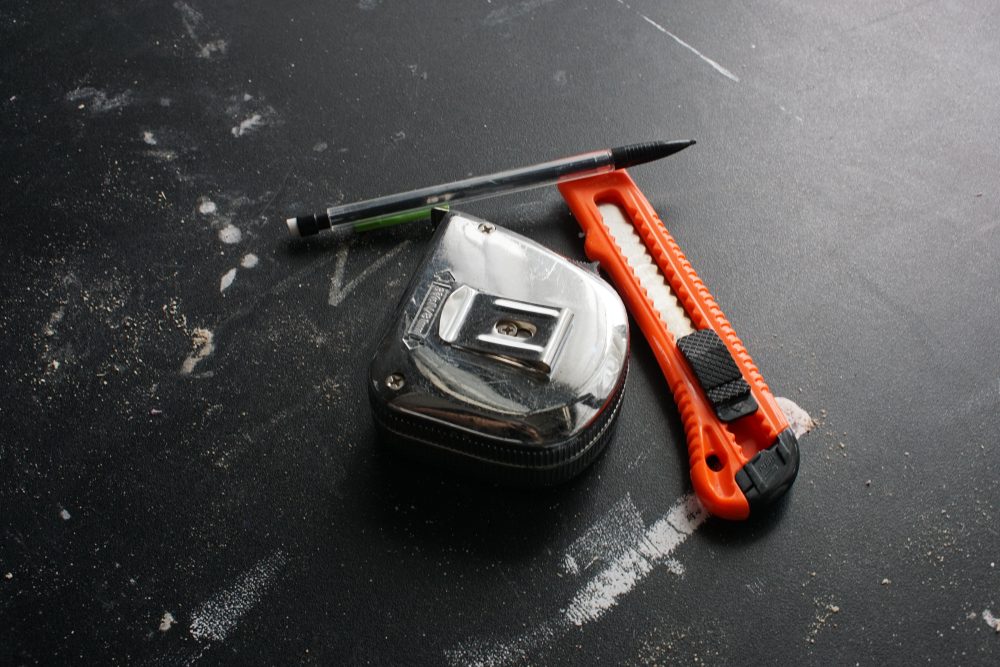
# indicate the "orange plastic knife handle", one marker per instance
pixel 717 450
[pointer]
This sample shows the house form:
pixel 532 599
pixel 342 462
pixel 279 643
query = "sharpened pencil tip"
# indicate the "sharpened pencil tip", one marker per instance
pixel 635 154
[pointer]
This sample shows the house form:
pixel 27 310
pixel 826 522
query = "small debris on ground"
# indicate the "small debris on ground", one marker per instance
pixel 167 621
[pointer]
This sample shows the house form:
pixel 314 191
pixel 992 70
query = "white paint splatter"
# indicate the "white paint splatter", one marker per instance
pixel 217 617
pixel 635 559
pixel 206 206
pixel 98 100
pixel 499 652
pixel 417 72
pixel 716 66
pixel 786 111
pixel 249 260
pixel 510 12
pixel 167 621
pixel 165 155
pixel 64 515
pixel 230 234
pixel 248 125
pixel 798 419
pixel 227 279
pixel 202 342
pixel 149 138
pixel 193 20
pixel 991 620
pixel 560 77
pixel 675 566
pixel 320 146
pixel 54 319
pixel 825 609
pixel 338 290
pixel 209 49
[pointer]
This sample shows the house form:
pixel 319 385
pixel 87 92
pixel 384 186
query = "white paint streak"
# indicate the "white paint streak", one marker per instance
pixel 217 617
pixel 606 539
pixel 98 100
pixel 991 620
pixel 190 17
pixel 149 138
pixel 64 515
pixel 798 419
pixel 338 290
pixel 230 234
pixel 635 559
pixel 227 279
pixel 248 125
pixel 716 66
pixel 602 592
pixel 202 341
pixel 167 621
pixel 249 260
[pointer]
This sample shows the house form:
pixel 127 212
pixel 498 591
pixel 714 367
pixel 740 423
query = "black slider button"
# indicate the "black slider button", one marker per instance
pixel 718 374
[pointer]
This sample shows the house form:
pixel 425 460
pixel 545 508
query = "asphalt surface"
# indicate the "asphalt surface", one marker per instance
pixel 190 473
